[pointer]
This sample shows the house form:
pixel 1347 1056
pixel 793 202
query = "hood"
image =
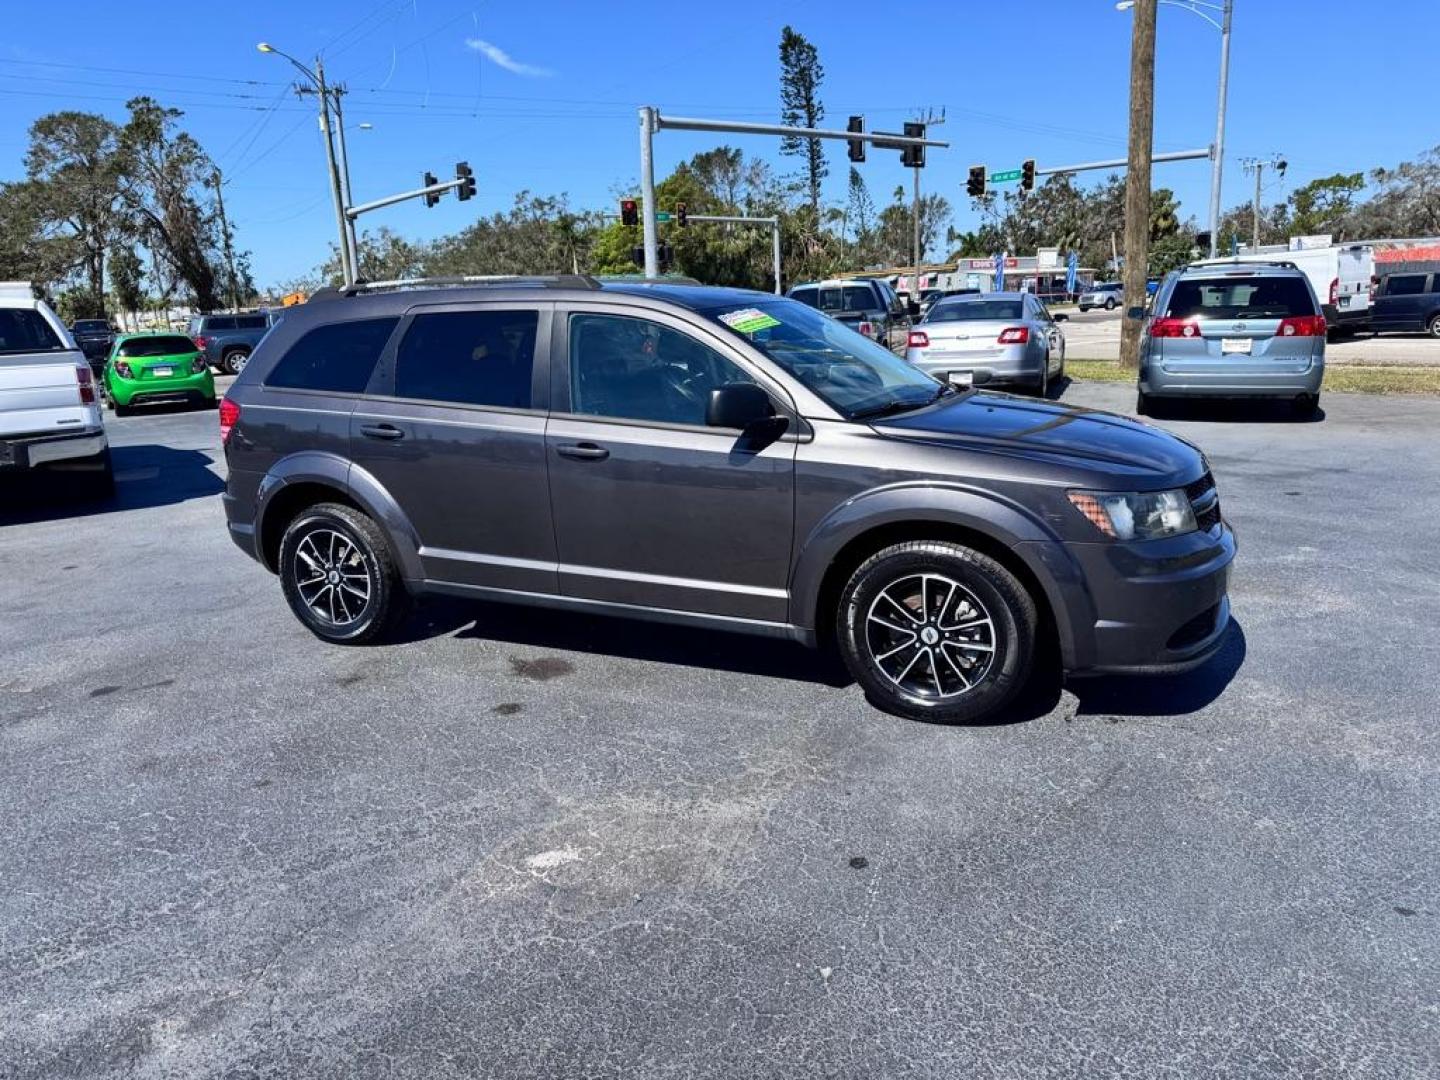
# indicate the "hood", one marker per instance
pixel 1134 453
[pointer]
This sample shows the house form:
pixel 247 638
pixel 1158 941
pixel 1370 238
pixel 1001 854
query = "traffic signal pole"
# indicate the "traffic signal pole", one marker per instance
pixel 652 121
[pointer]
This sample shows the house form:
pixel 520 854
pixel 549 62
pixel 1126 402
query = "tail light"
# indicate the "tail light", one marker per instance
pixel 866 328
pixel 1302 326
pixel 86 379
pixel 201 342
pixel 123 370
pixel 919 339
pixel 198 365
pixel 1183 328
pixel 1334 290
pixel 1014 335
pixel 229 417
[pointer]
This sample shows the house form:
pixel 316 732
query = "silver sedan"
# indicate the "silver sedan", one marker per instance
pixel 990 339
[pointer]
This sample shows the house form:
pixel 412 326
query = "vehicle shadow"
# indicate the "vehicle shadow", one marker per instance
pixel 1246 411
pixel 614 636
pixel 145 476
pixel 1163 695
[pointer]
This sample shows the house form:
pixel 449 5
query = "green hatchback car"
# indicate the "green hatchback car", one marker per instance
pixel 155 369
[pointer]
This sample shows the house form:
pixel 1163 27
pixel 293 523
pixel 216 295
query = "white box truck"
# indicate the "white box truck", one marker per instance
pixel 1340 276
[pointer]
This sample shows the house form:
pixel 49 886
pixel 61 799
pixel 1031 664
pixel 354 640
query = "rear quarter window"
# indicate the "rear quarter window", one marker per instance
pixel 337 358
pixel 250 322
pixel 217 323
pixel 1240 298
pixel 805 296
pixel 25 330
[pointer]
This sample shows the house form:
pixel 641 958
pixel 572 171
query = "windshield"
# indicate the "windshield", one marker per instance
pixel 975 311
pixel 846 369
pixel 160 345
pixel 1240 298
pixel 843 298
pixel 91 326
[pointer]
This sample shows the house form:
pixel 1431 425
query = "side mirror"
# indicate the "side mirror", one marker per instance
pixel 738 405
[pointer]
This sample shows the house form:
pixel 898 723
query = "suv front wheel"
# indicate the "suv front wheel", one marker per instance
pixel 338 576
pixel 937 631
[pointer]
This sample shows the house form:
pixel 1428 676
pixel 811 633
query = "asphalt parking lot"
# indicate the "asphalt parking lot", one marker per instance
pixel 532 844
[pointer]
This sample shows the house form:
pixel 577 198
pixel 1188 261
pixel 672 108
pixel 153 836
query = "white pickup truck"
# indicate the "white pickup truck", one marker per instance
pixel 49 409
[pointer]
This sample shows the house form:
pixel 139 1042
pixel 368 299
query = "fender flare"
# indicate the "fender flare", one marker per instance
pixel 917 504
pixel 356 484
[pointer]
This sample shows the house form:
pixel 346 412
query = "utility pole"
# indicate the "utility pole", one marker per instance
pixel 929 120
pixel 1137 179
pixel 1258 167
pixel 229 247
pixel 1217 166
pixel 347 262
pixel 647 192
pixel 349 200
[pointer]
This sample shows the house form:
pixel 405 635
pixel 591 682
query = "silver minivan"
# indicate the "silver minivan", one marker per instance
pixel 1238 330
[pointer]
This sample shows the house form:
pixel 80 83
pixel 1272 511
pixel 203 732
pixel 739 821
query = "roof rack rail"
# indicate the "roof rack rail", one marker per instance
pixel 1236 260
pixel 544 281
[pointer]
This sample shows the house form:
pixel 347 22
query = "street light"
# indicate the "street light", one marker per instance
pixel 339 195
pixel 1223 25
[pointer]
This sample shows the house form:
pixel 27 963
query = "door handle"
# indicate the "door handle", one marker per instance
pixel 585 451
pixel 381 431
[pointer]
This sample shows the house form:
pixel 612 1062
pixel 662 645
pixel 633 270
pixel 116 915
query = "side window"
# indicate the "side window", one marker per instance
pixel 1435 283
pixel 639 370
pixel 250 322
pixel 218 324
pixel 806 296
pixel 338 358
pixel 469 357
pixel 1405 285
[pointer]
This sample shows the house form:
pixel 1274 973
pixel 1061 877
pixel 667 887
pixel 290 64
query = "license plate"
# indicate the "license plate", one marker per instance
pixel 1235 345
pixel 166 372
pixel 961 378
pixel 1344 301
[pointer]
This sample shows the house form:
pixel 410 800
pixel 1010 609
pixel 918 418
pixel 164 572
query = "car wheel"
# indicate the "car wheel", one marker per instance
pixel 95 484
pixel 120 410
pixel 339 577
pixel 1110 304
pixel 1433 326
pixel 1083 309
pixel 1306 406
pixel 1142 404
pixel 233 362
pixel 1043 390
pixel 933 630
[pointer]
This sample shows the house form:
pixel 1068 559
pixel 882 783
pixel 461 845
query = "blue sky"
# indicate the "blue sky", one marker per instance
pixel 548 101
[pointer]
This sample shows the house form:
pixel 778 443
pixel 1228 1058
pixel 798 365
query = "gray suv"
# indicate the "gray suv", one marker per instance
pixel 719 458
pixel 228 340
pixel 1236 330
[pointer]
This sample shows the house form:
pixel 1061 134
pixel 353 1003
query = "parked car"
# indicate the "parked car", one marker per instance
pixel 157 369
pixel 1235 330
pixel 1109 295
pixel 868 305
pixel 1407 302
pixel 717 458
pixel 94 338
pixel 989 339
pixel 929 297
pixel 50 419
pixel 228 340
pixel 1340 277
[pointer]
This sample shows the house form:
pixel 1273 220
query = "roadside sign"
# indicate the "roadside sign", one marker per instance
pixel 662 215
pixel 1001 177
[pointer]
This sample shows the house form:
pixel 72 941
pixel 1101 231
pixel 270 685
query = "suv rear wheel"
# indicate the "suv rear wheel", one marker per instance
pixel 937 631
pixel 234 361
pixel 338 576
pixel 1110 303
pixel 1433 326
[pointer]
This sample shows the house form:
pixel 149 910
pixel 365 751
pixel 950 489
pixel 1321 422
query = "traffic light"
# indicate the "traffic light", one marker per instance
pixel 629 214
pixel 428 180
pixel 857 146
pixel 913 157
pixel 665 255
pixel 637 255
pixel 680 215
pixel 466 175
pixel 1027 175
pixel 975 185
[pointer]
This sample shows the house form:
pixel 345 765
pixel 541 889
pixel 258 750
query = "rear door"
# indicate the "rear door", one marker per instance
pixel 651 506
pixel 1398 306
pixel 1232 323
pixel 453 427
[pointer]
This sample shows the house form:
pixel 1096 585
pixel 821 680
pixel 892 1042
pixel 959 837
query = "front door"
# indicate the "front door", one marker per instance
pixel 651 506
pixel 1399 307
pixel 454 429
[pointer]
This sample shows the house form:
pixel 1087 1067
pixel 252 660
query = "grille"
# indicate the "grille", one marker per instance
pixel 1200 492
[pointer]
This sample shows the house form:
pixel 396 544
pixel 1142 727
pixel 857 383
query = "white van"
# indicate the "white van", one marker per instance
pixel 49 408
pixel 1340 276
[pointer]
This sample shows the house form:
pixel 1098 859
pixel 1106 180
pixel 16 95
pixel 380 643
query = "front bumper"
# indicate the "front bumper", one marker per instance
pixel 1277 380
pixel 195 388
pixel 1148 607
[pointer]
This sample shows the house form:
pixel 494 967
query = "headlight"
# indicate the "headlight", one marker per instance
pixel 1132 515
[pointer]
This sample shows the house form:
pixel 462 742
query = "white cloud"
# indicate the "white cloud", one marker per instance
pixel 501 58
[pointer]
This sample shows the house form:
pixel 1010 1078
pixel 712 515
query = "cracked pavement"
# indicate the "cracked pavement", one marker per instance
pixel 532 844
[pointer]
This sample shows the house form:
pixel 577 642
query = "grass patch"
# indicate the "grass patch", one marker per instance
pixel 1346 378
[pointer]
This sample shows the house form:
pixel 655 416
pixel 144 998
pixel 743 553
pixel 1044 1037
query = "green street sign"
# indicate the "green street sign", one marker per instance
pixel 1001 177
pixel 664 215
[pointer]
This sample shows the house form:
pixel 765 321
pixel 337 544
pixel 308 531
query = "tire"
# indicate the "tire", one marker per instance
pixel 366 564
pixel 97 484
pixel 360 579
pixel 916 573
pixel 1306 406
pixel 1083 309
pixel 1043 389
pixel 1110 304
pixel 1433 326
pixel 1143 406
pixel 120 410
pixel 234 361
